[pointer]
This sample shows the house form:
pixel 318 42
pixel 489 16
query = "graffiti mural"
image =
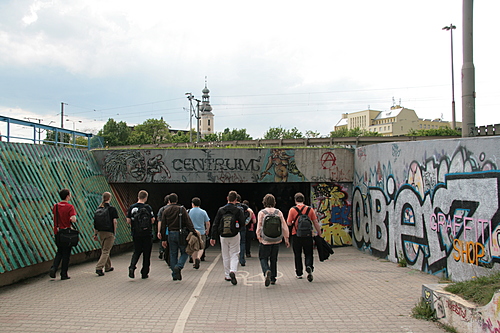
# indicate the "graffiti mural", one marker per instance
pixel 334 212
pixel 143 166
pixel 440 213
pixel 280 166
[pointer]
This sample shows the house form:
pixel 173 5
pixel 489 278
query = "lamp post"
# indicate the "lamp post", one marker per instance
pixel 453 121
pixel 74 122
pixel 190 98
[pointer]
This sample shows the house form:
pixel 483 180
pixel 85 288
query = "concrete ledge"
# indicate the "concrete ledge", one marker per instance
pixel 20 274
pixel 463 315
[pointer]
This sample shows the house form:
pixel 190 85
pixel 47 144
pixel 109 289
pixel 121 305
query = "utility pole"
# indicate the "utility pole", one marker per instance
pixel 198 120
pixel 62 113
pixel 190 98
pixel 453 120
pixel 468 74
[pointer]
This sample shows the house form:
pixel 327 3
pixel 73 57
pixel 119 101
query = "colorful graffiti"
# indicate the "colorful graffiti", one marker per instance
pixel 280 165
pixel 334 212
pixel 442 215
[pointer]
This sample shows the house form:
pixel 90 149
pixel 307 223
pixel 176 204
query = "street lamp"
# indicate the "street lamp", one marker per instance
pixel 453 121
pixel 74 122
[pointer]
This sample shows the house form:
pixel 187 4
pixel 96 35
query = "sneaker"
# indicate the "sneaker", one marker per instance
pixel 177 273
pixel 309 273
pixel 65 278
pixel 144 276
pixel 267 281
pixel 299 277
pixel 196 263
pixel 249 255
pixel 99 272
pixel 190 260
pixel 52 273
pixel 227 279
pixel 202 259
pixel 233 278
pixel 131 273
pixel 109 269
pixel 273 282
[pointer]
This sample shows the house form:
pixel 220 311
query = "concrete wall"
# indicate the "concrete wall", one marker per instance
pixel 433 203
pixel 226 165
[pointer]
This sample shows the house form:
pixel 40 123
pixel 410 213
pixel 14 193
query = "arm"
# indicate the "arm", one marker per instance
pixel 315 221
pixel 258 230
pixel 284 228
pixel 215 227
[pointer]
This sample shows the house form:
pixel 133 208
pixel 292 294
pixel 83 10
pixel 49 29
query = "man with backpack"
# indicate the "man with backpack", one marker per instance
pixel 302 218
pixel 141 218
pixel 105 221
pixel 226 227
pixel 271 230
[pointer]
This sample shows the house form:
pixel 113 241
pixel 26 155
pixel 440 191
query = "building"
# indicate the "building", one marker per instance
pixel 206 116
pixel 397 121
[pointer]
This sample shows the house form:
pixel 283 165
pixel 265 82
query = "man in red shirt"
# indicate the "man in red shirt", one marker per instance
pixel 302 244
pixel 64 214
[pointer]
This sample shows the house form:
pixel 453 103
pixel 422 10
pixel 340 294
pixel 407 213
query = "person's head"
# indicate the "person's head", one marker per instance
pixel 269 200
pixel 173 198
pixel 64 194
pixel 165 200
pixel 245 202
pixel 238 197
pixel 196 202
pixel 299 197
pixel 143 195
pixel 106 196
pixel 232 196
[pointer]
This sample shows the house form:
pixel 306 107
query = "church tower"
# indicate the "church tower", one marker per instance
pixel 206 116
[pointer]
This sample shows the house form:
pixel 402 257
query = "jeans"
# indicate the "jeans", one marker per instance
pixel 268 255
pixel 243 236
pixel 175 247
pixel 300 244
pixel 107 239
pixel 62 257
pixel 142 245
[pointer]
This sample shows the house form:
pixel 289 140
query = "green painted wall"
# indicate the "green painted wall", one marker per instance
pixel 30 179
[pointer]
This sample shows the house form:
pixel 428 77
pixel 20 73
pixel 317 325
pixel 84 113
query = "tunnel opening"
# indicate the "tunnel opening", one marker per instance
pixel 212 195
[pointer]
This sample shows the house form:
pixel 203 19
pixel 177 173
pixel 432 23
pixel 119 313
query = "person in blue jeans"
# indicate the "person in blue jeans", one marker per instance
pixel 173 216
pixel 243 229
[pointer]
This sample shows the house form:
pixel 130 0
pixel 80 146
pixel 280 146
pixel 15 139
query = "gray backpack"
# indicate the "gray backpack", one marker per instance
pixel 271 226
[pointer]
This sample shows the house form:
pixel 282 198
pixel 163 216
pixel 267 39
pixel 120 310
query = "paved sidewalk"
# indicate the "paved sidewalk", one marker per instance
pixel 351 292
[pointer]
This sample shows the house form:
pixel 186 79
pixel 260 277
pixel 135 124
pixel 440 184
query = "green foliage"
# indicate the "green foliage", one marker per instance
pixel 181 137
pixel 234 135
pixel 442 131
pixel 276 133
pixel 424 310
pixel 51 136
pixel 115 134
pixel 478 290
pixel 353 132
pixel 402 260
pixel 211 137
pixel 312 134
pixel 151 131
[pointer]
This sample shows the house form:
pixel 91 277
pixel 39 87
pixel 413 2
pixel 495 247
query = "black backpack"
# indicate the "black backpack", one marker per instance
pixel 228 226
pixel 102 220
pixel 304 223
pixel 141 221
pixel 271 226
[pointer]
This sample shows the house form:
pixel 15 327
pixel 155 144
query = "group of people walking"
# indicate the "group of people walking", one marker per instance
pixel 184 232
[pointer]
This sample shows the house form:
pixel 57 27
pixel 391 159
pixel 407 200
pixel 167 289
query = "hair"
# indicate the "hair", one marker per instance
pixel 232 196
pixel 246 202
pixel 238 197
pixel 142 195
pixel 106 196
pixel 299 197
pixel 269 200
pixel 172 198
pixel 63 194
pixel 165 200
pixel 196 201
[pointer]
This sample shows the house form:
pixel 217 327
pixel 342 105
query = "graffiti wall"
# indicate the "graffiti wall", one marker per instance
pixel 333 208
pixel 226 165
pixel 434 204
pixel 30 179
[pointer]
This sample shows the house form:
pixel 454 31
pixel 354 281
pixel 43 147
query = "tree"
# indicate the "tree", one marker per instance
pixel 276 133
pixel 61 137
pixel 235 135
pixel 353 132
pixel 442 131
pixel 211 137
pixel 312 134
pixel 115 134
pixel 151 131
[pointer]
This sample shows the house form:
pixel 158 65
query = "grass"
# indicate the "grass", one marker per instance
pixel 423 310
pixel 478 290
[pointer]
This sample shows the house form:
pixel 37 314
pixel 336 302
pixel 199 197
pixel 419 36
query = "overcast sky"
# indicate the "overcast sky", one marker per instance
pixel 267 63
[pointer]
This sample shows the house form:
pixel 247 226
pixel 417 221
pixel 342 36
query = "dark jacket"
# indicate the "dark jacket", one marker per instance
pixel 323 247
pixel 240 218
pixel 170 219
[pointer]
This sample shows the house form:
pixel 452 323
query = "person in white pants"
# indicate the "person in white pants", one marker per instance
pixel 226 227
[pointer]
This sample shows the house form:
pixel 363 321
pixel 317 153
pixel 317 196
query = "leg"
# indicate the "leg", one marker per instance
pixel 273 258
pixel 173 242
pixel 264 251
pixel 224 246
pixel 248 242
pixel 243 237
pixel 66 253
pixel 308 247
pixel 107 239
pixel 297 253
pixel 234 252
pixel 146 256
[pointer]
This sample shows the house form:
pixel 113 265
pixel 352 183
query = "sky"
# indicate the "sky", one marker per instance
pixel 266 63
